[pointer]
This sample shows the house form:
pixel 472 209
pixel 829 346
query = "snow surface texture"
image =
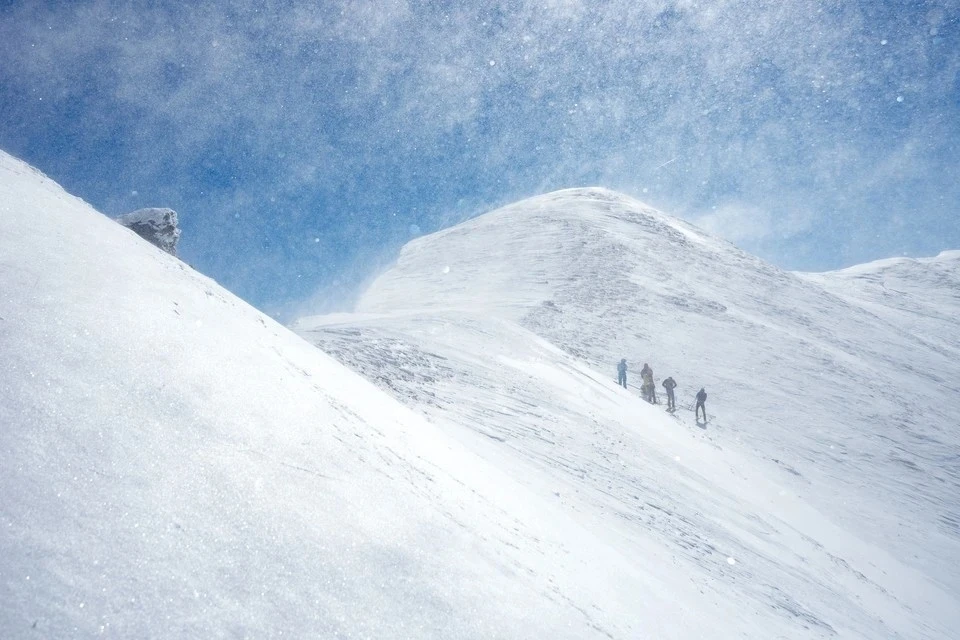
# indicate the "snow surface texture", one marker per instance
pixel 174 464
pixel 821 500
pixel 157 226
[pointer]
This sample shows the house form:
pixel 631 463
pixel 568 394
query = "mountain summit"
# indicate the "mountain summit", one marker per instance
pixel 552 248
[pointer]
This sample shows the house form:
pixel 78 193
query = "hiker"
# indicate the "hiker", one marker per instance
pixel 670 384
pixel 701 404
pixel 622 373
pixel 649 389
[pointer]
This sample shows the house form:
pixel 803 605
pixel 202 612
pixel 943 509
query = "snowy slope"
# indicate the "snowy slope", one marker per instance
pixel 833 496
pixel 920 296
pixel 175 464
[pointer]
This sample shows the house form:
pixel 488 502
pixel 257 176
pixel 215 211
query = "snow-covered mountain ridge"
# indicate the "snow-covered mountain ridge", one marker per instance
pixel 509 325
pixel 175 464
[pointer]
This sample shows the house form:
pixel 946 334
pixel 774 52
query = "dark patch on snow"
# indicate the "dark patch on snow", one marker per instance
pixel 784 603
pixel 695 304
pixel 787 468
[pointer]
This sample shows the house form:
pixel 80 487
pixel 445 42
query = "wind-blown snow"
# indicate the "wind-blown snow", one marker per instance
pixel 821 499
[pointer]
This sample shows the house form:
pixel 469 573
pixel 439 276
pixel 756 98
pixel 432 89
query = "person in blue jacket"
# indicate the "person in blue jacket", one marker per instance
pixel 622 373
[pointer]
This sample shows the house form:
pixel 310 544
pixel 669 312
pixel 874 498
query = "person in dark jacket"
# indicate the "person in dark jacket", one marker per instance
pixel 701 404
pixel 622 373
pixel 670 384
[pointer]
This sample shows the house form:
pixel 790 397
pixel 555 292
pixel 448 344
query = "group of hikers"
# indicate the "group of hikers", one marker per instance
pixel 649 389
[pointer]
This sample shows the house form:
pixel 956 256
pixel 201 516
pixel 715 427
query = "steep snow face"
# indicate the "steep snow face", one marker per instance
pixel 175 464
pixel 828 472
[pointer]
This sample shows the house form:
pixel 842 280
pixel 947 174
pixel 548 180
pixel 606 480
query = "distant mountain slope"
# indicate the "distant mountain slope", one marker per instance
pixel 921 296
pixel 809 390
pixel 175 464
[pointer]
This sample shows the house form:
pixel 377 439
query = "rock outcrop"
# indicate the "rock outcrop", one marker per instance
pixel 158 226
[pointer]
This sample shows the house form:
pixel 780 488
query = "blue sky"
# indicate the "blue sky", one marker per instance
pixel 303 143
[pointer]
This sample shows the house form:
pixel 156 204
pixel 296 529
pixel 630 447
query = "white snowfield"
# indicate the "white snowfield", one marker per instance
pixel 823 497
pixel 175 464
